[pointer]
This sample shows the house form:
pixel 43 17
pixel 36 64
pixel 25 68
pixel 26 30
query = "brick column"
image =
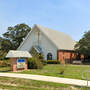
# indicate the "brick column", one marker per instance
pixel 14 64
pixel 26 65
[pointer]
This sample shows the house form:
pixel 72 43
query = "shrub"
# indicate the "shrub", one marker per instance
pixel 44 62
pixel 53 62
pixel 4 63
pixel 34 63
pixel 41 58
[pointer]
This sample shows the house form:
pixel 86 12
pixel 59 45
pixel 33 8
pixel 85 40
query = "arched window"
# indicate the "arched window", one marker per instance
pixel 49 56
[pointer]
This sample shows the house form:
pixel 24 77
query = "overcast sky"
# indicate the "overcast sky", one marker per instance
pixel 69 16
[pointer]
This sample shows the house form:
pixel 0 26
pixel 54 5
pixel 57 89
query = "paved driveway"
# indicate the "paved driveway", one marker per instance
pixel 48 79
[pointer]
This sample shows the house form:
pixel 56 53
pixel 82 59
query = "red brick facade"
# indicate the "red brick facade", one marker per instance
pixel 68 56
pixel 14 65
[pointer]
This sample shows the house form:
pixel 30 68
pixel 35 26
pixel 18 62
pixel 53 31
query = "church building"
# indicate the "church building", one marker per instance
pixel 51 43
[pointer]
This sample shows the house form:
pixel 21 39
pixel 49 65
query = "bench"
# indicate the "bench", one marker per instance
pixel 77 62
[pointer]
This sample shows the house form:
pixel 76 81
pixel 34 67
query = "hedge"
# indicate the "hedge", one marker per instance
pixel 53 62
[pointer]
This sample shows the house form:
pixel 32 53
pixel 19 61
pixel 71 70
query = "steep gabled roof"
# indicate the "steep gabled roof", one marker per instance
pixel 59 39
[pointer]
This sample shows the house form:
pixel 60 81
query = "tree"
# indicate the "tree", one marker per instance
pixel 83 46
pixel 17 34
pixel 5 45
pixel 13 37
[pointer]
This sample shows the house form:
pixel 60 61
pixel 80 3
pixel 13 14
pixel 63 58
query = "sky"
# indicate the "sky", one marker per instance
pixel 69 16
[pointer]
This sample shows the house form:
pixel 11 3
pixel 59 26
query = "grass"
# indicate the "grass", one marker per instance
pixel 24 84
pixel 71 71
pixel 5 69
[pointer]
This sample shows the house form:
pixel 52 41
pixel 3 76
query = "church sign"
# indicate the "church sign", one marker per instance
pixel 20 63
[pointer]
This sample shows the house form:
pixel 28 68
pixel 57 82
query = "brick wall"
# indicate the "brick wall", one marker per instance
pixel 67 56
pixel 14 65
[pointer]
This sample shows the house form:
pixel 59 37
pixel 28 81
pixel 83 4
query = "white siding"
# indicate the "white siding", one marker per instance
pixel 32 40
pixel 46 45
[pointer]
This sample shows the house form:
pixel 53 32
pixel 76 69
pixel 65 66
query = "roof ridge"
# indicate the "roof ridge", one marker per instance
pixel 38 25
pixel 60 39
pixel 51 33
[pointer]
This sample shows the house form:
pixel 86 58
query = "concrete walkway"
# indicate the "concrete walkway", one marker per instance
pixel 48 79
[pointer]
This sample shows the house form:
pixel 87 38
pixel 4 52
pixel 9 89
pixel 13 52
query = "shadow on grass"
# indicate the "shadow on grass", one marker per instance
pixel 5 70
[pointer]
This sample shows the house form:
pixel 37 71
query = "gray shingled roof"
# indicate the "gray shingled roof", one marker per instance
pixel 60 39
pixel 17 54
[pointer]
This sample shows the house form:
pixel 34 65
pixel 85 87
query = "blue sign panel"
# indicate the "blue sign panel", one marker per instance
pixel 21 63
pixel 21 60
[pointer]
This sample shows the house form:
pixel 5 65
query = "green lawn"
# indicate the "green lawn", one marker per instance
pixel 71 71
pixel 4 69
pixel 24 84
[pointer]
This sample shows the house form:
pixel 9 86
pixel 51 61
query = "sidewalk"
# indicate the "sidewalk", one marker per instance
pixel 48 79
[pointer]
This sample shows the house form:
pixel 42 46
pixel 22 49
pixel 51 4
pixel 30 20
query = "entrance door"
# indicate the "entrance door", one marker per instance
pixel 49 56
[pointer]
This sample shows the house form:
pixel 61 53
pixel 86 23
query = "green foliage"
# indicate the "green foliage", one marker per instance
pixel 12 38
pixel 83 46
pixel 6 45
pixel 34 63
pixel 4 63
pixel 16 34
pixel 44 62
pixel 41 58
pixel 53 62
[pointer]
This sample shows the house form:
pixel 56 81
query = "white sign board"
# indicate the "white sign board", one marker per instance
pixel 21 63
